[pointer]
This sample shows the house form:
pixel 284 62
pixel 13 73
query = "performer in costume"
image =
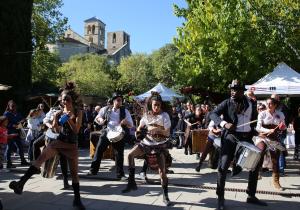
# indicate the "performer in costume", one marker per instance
pixel 270 124
pixel 158 126
pixel 67 123
pixel 236 110
pixel 112 117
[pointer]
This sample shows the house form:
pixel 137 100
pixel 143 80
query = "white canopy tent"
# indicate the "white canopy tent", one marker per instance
pixel 283 81
pixel 166 93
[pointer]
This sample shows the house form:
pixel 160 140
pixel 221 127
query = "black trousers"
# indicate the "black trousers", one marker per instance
pixel 228 147
pixel 102 145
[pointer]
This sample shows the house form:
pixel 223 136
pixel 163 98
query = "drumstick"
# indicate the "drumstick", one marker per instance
pixel 246 123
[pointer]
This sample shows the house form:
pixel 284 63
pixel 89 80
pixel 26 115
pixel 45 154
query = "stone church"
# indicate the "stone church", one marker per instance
pixel 118 42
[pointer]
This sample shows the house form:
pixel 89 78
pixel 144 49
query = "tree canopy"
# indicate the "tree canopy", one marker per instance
pixel 244 39
pixel 89 72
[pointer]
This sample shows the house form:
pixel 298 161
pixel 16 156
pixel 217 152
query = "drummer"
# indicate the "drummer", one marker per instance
pixel 236 110
pixel 270 124
pixel 115 115
pixel 158 124
pixel 193 121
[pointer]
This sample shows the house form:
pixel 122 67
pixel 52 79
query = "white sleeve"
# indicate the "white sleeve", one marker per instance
pixel 259 127
pixel 167 121
pixel 143 121
pixel 129 118
pixel 210 126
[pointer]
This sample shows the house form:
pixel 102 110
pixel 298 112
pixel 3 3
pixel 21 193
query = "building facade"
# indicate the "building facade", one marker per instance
pixel 93 41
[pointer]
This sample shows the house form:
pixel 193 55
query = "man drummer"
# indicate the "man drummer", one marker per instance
pixel 237 111
pixel 108 117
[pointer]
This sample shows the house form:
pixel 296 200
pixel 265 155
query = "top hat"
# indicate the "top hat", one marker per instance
pixel 116 95
pixel 237 85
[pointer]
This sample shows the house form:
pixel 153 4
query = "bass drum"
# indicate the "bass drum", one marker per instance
pixel 49 167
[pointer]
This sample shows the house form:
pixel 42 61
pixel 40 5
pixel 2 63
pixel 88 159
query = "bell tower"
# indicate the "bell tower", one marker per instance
pixel 94 31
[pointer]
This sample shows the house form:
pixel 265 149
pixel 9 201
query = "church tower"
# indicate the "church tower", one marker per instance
pixel 94 31
pixel 117 40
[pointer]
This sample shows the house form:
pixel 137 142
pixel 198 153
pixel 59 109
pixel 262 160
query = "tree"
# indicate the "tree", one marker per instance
pixel 136 74
pixel 48 26
pixel 243 39
pixel 90 73
pixel 164 65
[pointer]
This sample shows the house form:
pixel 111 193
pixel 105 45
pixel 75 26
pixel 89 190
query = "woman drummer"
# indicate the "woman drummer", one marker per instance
pixel 67 123
pixel 269 125
pixel 158 125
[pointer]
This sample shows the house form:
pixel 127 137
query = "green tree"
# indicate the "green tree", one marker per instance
pixel 48 25
pixel 164 65
pixel 90 73
pixel 244 39
pixel 136 74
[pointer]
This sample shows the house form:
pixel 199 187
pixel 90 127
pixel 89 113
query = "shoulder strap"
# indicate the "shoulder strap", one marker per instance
pixel 122 113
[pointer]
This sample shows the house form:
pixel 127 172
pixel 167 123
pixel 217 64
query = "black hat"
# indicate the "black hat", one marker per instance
pixel 116 95
pixel 237 85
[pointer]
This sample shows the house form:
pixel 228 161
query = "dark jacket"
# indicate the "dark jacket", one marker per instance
pixel 228 109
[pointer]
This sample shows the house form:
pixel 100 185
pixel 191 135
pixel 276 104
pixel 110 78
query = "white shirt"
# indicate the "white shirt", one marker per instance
pixel 267 118
pixel 243 118
pixel 162 119
pixel 114 118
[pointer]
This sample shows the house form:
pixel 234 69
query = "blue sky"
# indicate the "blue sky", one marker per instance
pixel 150 23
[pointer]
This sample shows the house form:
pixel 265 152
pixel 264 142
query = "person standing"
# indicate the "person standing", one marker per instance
pixel 14 119
pixel 236 110
pixel 66 123
pixel 111 117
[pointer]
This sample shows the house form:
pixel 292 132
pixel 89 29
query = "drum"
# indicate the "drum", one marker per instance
pixel 94 138
pixel 199 139
pixel 248 155
pixel 49 167
pixel 115 133
pixel 109 153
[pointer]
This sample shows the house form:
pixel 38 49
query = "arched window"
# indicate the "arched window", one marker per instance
pixel 91 39
pixel 93 29
pixel 88 29
pixel 114 39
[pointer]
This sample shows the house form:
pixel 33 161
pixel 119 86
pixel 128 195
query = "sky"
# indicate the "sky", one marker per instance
pixel 150 23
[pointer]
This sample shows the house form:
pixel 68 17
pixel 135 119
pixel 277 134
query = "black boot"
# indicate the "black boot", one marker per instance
pixel 77 201
pixel 198 167
pixel 131 185
pixel 166 199
pixel 221 205
pixel 18 186
pixel 66 183
pixel 1 207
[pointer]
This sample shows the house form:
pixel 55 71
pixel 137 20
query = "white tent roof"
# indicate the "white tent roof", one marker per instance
pixel 166 93
pixel 283 80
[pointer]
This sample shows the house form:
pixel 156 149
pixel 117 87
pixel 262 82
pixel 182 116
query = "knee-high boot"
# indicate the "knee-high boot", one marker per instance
pixel 18 186
pixel 166 199
pixel 276 181
pixel 131 185
pixel 77 201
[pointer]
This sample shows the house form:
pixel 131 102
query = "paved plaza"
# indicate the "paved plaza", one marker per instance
pixel 187 188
